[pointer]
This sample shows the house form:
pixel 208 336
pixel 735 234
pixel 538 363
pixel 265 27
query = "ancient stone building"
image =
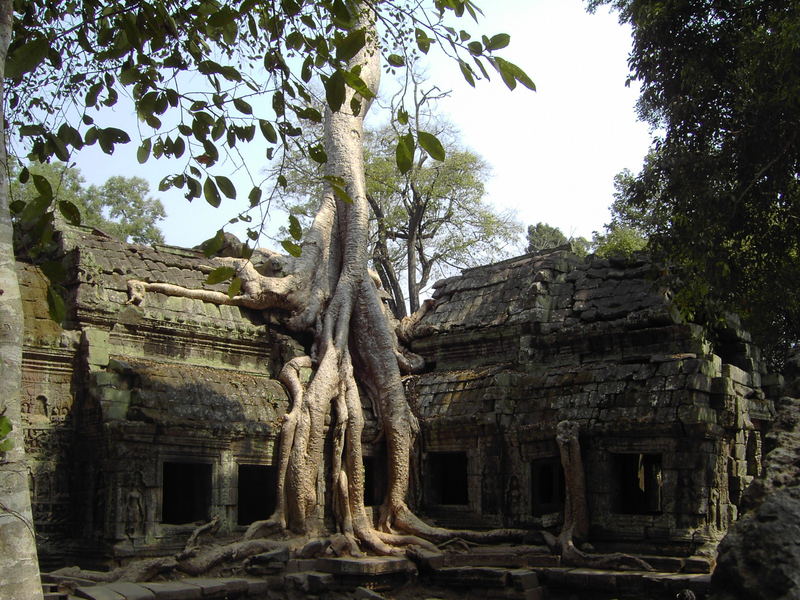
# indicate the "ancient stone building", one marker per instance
pixel 142 421
pixel 671 426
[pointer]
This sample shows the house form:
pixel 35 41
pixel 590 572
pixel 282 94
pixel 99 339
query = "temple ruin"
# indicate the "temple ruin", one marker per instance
pixel 144 421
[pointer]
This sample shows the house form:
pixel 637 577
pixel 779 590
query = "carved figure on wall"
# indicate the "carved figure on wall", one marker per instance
pixel 136 508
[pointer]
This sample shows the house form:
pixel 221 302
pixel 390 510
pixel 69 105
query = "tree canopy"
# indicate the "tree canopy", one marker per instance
pixel 718 195
pixel 121 207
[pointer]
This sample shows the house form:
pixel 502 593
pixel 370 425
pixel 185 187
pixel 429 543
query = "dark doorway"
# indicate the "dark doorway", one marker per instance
pixel 638 479
pixel 547 486
pixel 447 478
pixel 257 485
pixel 186 492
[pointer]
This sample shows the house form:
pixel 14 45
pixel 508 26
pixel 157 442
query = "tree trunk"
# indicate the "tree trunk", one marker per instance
pixel 329 292
pixel 19 569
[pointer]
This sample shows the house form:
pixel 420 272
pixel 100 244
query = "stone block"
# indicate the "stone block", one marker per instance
pixel 471 577
pixel 311 582
pixel 174 590
pixel 209 588
pixel 368 566
pixel 131 591
pixel 523 579
pixel 235 586
pixel 98 592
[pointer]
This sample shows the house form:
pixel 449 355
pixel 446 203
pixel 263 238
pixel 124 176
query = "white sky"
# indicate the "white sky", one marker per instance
pixel 554 152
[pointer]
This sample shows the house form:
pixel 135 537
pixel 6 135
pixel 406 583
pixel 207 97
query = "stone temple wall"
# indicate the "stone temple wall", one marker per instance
pixel 671 426
pixel 142 421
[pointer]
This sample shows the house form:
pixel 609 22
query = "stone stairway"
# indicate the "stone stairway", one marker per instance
pixel 511 573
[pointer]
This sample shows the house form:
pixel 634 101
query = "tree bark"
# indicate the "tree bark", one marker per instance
pixel 19 569
pixel 330 292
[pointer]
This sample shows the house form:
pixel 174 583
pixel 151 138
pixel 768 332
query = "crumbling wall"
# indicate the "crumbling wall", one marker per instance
pixel 670 429
pixel 125 399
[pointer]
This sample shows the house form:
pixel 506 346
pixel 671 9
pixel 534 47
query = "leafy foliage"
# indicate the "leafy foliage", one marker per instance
pixel 618 241
pixel 545 237
pixel 718 195
pixel 6 427
pixel 192 71
pixel 120 207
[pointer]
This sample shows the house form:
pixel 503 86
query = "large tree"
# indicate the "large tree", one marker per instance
pixel 68 59
pixel 121 206
pixel 425 222
pixel 719 194
pixel 19 572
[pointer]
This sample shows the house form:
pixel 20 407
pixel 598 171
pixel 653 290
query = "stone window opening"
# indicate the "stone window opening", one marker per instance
pixel 447 478
pixel 185 492
pixel 547 486
pixel 256 493
pixel 639 480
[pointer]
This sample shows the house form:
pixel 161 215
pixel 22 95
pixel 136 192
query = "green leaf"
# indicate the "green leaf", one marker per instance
pixel 268 131
pixel 396 60
pixel 56 305
pixel 6 427
pixel 431 144
pixel 476 48
pixel 341 193
pixel 402 116
pixel 312 114
pixel 242 106
pixel 292 248
pixel 348 47
pixel 334 90
pixel 43 186
pixel 356 83
pixel 226 186
pixel 423 41
pixel 110 136
pixel 235 287
pixel 317 154
pixel 24 175
pixel 220 274
pixel 27 57
pixel 498 42
pixel 511 73
pixel 70 212
pixel 295 230
pixel 93 93
pixel 255 196
pixel 143 153
pixel 404 153
pixel 211 193
pixel 466 71
pixel 213 245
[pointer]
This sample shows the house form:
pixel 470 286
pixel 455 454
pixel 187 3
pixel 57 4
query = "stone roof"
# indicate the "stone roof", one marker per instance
pixel 104 266
pixel 552 290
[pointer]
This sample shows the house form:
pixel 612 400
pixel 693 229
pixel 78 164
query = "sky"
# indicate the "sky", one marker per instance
pixel 553 152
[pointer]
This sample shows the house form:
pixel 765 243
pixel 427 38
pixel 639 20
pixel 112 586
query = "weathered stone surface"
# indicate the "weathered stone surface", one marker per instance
pixel 131 591
pixel 367 566
pixel 174 590
pixel 99 592
pixel 759 558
